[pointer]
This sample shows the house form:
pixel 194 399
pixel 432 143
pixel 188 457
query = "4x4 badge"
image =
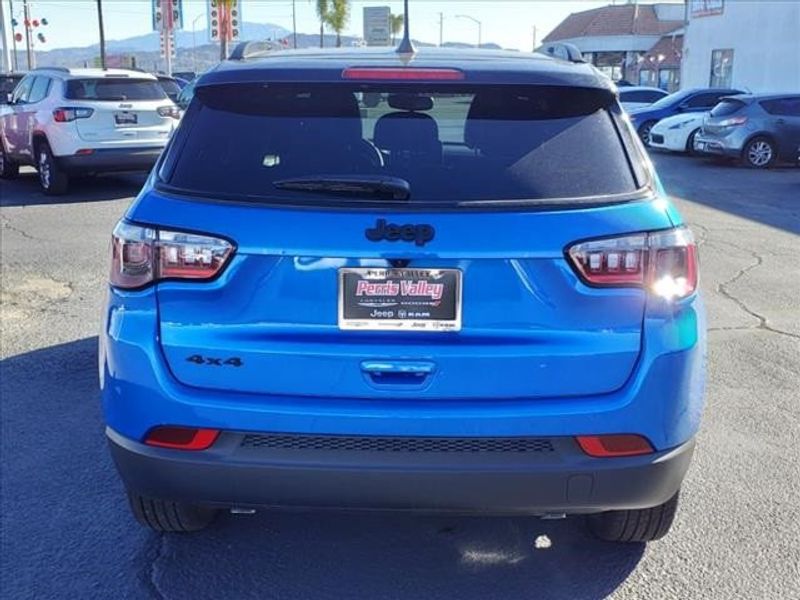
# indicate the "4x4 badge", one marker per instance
pixel 420 234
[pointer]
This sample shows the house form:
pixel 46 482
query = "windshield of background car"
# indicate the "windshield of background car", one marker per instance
pixel 170 86
pixel 7 85
pixel 452 145
pixel 113 89
pixel 670 100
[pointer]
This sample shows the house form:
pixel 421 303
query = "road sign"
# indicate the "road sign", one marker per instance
pixel 378 25
pixel 224 20
pixel 167 40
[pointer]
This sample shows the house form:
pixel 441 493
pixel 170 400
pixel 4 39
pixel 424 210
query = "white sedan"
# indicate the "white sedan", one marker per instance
pixel 677 133
pixel 636 96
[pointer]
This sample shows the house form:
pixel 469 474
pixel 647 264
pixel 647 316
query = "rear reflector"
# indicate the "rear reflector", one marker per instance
pixel 402 74
pixel 606 446
pixel 182 438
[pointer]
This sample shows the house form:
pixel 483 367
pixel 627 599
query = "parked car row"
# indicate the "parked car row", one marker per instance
pixel 76 121
pixel 758 129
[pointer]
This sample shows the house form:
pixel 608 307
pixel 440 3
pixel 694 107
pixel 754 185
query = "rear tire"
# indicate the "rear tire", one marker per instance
pixel 53 180
pixel 759 153
pixel 165 516
pixel 645 525
pixel 8 168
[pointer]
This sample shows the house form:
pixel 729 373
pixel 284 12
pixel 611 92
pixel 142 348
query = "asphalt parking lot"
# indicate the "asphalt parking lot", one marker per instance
pixel 66 531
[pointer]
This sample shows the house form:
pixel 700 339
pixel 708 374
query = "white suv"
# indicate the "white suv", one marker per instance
pixel 72 121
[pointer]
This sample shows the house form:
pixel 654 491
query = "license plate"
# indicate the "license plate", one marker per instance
pixel 125 118
pixel 404 299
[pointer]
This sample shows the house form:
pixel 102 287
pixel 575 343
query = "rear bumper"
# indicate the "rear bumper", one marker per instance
pixel 116 159
pixel 707 144
pixel 550 475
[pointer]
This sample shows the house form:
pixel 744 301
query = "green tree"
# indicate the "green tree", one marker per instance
pixel 338 17
pixel 398 21
pixel 323 12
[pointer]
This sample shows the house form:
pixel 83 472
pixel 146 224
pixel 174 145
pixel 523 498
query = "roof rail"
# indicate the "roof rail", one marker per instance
pixel 252 49
pixel 562 50
pixel 60 69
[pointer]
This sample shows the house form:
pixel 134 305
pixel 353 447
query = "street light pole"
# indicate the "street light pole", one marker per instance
pixel 478 23
pixel 441 29
pixel 28 40
pixel 294 24
pixel 13 33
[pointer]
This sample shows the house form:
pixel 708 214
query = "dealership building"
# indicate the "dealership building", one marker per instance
pixel 753 44
pixel 736 43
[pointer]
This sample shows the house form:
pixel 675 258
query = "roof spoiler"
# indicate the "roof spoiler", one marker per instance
pixel 562 50
pixel 252 49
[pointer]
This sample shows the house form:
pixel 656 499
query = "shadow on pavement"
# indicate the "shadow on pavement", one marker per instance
pixel 67 531
pixel 25 191
pixel 770 196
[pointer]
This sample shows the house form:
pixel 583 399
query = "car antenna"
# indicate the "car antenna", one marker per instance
pixel 406 47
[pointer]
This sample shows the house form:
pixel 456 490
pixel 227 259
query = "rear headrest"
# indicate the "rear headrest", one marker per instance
pixel 410 102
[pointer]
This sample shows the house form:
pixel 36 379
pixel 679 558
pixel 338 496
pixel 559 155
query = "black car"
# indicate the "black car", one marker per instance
pixel 172 86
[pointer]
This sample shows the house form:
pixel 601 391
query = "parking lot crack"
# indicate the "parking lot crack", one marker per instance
pixel 155 553
pixel 724 289
pixel 7 225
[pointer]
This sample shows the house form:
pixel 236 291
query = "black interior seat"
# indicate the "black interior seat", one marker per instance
pixel 408 135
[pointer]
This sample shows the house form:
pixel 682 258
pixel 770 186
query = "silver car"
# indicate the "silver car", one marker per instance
pixel 758 129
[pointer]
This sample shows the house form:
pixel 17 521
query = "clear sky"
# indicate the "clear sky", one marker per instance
pixel 505 22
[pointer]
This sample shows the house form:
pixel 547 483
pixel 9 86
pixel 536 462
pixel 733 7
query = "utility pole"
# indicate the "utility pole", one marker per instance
pixel 4 36
pixel 28 41
pixel 102 33
pixel 534 39
pixel 13 33
pixel 441 29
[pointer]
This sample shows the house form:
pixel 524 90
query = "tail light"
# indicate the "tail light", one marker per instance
pixel 663 262
pixel 169 111
pixel 607 446
pixel 732 122
pixel 181 438
pixel 66 114
pixel 403 74
pixel 143 255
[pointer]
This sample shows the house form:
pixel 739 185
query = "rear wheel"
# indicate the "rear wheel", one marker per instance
pixel 53 180
pixel 759 153
pixel 8 168
pixel 171 517
pixel 644 132
pixel 645 525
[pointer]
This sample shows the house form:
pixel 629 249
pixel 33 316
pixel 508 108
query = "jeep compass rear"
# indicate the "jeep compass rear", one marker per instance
pixel 450 284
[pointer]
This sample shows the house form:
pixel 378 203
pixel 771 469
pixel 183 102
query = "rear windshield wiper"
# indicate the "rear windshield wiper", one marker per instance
pixel 375 186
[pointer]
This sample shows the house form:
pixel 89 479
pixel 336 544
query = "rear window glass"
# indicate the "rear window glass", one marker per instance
pixel 113 89
pixel 726 107
pixel 451 145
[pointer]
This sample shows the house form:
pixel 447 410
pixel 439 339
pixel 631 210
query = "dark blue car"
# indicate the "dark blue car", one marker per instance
pixel 692 100
pixel 470 296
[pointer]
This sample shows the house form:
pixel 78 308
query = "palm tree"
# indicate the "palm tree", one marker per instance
pixel 338 16
pixel 323 12
pixel 397 22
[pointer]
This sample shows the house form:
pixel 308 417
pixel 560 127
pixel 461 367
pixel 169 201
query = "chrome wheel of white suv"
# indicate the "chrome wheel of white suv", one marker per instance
pixel 52 178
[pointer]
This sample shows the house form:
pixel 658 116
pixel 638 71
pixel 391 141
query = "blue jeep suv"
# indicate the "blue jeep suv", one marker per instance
pixel 446 281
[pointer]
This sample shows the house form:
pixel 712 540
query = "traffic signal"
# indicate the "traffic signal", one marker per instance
pixel 18 37
pixel 41 38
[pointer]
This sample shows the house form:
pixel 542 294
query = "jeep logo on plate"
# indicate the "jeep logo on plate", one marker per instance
pixel 420 234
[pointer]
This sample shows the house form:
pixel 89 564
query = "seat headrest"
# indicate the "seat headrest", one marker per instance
pixel 410 102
